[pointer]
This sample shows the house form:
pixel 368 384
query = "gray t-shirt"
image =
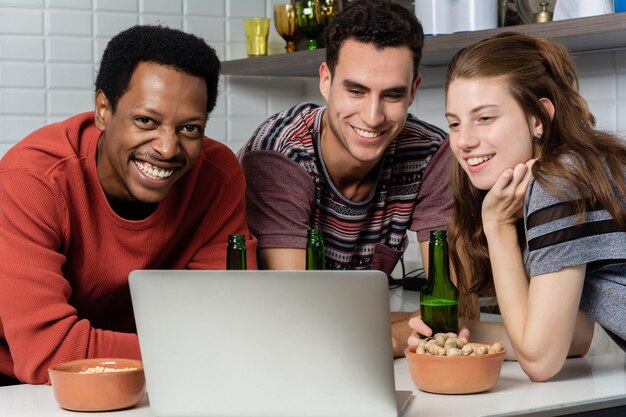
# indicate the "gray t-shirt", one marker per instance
pixel 556 239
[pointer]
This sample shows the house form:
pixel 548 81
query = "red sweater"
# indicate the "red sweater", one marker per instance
pixel 65 255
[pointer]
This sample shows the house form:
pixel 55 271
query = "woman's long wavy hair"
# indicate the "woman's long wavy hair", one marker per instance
pixel 569 148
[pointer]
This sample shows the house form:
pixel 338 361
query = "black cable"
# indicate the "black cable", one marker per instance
pixel 408 281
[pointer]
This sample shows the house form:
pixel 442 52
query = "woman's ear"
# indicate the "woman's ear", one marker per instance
pixel 547 104
pixel 538 129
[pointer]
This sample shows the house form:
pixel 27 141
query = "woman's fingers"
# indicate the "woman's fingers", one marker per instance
pixel 419 326
pixel 413 339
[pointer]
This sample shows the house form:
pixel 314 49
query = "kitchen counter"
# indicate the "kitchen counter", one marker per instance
pixel 585 385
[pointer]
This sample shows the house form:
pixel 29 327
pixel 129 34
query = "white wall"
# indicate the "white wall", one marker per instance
pixel 50 49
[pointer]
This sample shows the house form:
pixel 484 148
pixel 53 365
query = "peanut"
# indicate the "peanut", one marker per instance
pixel 449 344
pixel 496 347
pixel 440 338
pixel 454 352
pixel 436 350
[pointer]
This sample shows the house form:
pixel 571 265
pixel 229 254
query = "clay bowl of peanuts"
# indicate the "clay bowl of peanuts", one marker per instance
pixel 447 364
pixel 98 384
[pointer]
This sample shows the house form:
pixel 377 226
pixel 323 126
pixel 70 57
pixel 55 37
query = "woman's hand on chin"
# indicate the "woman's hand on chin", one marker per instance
pixel 503 205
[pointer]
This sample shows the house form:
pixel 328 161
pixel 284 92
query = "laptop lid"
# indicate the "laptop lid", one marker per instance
pixel 265 343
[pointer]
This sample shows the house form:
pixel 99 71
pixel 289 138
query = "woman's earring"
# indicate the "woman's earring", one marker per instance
pixel 537 136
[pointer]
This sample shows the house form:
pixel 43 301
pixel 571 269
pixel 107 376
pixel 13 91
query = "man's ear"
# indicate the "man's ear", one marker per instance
pixel 416 82
pixel 325 80
pixel 103 111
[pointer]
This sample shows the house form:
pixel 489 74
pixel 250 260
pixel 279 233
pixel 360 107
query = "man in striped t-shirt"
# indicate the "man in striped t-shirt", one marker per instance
pixel 360 169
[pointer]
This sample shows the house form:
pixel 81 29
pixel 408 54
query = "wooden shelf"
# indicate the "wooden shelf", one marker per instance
pixel 585 34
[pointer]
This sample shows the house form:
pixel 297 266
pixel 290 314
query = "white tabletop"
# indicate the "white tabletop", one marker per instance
pixel 595 382
pixel 590 383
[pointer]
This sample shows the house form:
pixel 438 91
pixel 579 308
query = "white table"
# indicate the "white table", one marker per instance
pixel 595 382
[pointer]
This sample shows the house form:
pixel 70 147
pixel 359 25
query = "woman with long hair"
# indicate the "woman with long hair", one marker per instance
pixel 539 199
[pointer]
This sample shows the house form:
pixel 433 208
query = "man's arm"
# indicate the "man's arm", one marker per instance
pixel 283 258
pixel 279 198
pixel 226 215
pixel 433 209
pixel 39 324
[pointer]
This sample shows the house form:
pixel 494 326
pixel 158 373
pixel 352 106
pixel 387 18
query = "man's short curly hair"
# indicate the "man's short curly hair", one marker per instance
pixel 160 45
pixel 379 22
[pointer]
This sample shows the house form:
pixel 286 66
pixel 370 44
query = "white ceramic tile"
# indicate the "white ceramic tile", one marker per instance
pixel 245 8
pixel 620 61
pixel 249 104
pixel 173 22
pixel 236 145
pixel 621 117
pixel 238 85
pixel 57 119
pixel 116 5
pixel 599 86
pixel 110 24
pixel 161 6
pixel 211 30
pixel 69 49
pixel 16 74
pixel 22 102
pixel 620 65
pixel 216 128
pixel 220 105
pixel 205 8
pixel 241 128
pixel 434 118
pixel 235 31
pixel 312 91
pixel 412 252
pixel 99 46
pixel 236 50
pixel 68 22
pixel 432 77
pixel 70 76
pixel 605 113
pixel 285 86
pixel 13 129
pixel 595 63
pixel 21 22
pixel 430 100
pixel 220 50
pixel 68 103
pixel 69 4
pixel 621 86
pixel 22 48
pixel 280 103
pixel 22 3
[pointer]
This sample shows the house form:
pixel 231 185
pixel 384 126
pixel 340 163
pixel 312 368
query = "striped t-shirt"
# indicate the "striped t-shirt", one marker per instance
pixel 290 191
pixel 556 239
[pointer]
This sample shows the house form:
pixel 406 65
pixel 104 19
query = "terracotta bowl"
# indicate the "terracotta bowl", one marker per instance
pixel 454 374
pixel 76 390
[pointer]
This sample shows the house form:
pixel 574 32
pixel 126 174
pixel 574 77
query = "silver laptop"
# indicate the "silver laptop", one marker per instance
pixel 266 343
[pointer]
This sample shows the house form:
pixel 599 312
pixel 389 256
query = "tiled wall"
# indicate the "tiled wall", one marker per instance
pixel 50 49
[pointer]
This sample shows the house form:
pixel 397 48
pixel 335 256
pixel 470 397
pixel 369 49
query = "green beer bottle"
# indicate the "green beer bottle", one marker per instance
pixel 236 253
pixel 315 257
pixel 439 299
